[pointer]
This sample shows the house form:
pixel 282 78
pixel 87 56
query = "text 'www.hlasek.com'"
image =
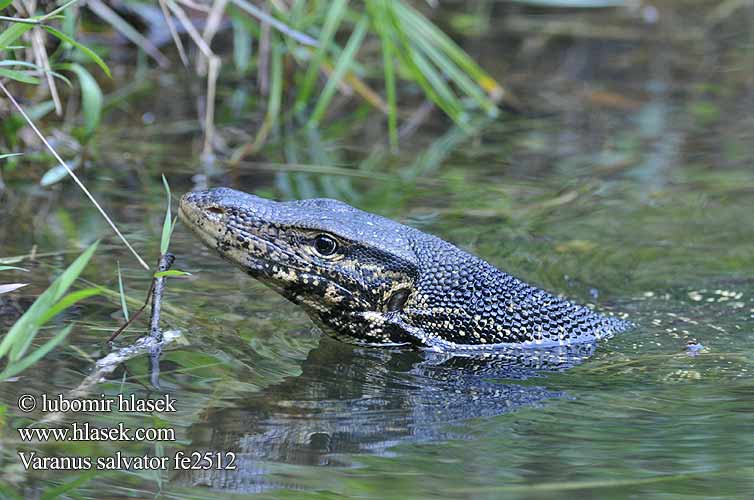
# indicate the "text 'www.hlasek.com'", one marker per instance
pixel 118 432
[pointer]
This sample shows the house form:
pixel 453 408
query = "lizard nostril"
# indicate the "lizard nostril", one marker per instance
pixel 215 210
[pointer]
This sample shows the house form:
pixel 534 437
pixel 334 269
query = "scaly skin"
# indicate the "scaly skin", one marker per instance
pixel 384 283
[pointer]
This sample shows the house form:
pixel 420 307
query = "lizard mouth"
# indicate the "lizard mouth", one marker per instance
pixel 202 222
pixel 262 257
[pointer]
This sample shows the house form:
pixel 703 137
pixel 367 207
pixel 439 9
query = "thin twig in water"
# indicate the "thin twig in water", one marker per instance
pixel 73 175
pixel 156 289
pixel 164 264
pixel 135 315
pixel 109 363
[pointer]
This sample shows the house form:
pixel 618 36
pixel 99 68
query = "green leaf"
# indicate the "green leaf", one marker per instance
pixel 389 69
pixel 5 3
pixel 9 155
pixel 15 62
pixel 25 64
pixel 83 48
pixel 12 268
pixel 421 28
pixel 433 84
pixel 334 15
pixel 450 59
pixel 58 173
pixel 344 62
pixel 379 11
pixel 273 99
pixel 91 97
pixel 13 33
pixel 57 75
pixel 16 367
pixel 171 273
pixel 123 303
pixel 68 301
pixel 22 333
pixel 19 76
pixel 450 70
pixel 167 225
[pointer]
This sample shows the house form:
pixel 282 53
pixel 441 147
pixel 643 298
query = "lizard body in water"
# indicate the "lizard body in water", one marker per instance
pixel 372 281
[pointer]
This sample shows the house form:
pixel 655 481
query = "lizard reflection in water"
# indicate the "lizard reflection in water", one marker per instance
pixel 350 401
pixel 372 281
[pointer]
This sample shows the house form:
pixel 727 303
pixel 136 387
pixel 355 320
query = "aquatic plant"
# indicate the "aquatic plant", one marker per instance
pixel 331 47
pixel 15 345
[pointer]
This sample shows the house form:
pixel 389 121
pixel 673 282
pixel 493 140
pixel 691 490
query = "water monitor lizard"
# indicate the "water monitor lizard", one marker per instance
pixel 369 280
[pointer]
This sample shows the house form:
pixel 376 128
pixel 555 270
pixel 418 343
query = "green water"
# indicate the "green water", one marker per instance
pixel 628 185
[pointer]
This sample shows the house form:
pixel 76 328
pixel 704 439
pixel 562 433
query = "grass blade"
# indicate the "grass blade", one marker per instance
pixel 344 62
pixel 419 25
pixel 274 22
pixel 388 66
pixel 12 268
pixel 83 48
pixel 449 69
pixel 334 16
pixel 420 70
pixel 172 273
pixel 12 34
pixel 91 97
pixel 14 368
pixel 123 304
pixel 173 32
pixel 21 334
pixel 273 106
pixel 434 85
pixel 67 302
pixel 167 225
pixel 26 64
pixel 19 76
pixel 242 46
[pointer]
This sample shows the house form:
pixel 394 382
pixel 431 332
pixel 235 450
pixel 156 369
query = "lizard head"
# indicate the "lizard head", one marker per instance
pixel 352 271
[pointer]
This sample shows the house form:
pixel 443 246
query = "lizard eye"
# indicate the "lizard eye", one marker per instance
pixel 325 245
pixel 397 300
